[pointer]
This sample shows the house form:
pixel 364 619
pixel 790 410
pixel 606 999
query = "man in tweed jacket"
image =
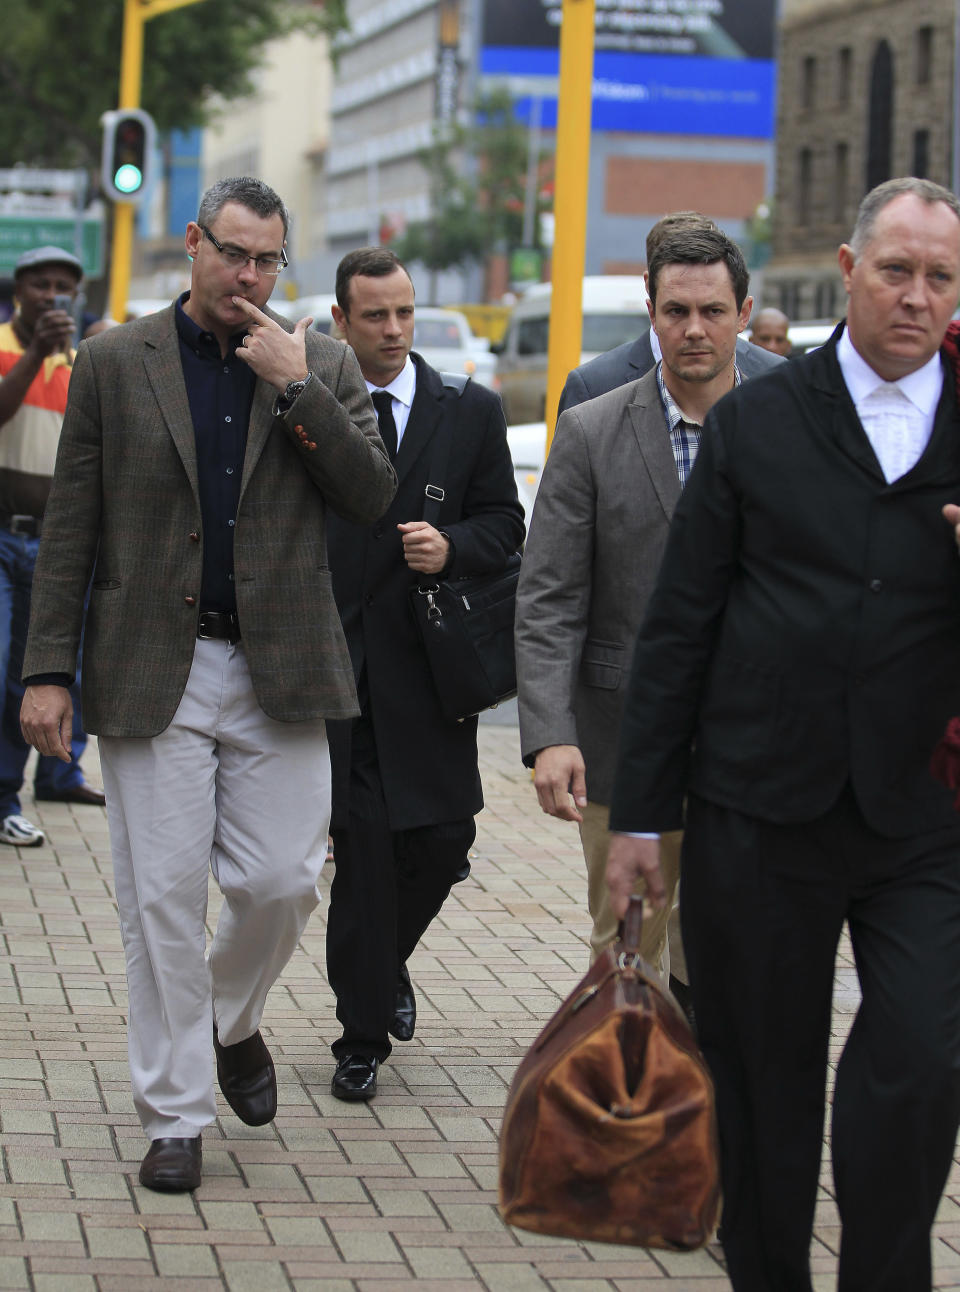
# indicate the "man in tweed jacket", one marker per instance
pixel 200 451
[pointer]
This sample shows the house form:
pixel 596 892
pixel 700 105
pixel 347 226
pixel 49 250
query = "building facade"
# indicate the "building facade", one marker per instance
pixel 866 93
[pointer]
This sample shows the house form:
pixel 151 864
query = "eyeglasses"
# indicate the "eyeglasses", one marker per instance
pixel 235 258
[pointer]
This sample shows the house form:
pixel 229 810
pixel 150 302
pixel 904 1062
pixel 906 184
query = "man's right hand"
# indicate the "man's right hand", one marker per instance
pixel 628 860
pixel 53 332
pixel 46 720
pixel 559 773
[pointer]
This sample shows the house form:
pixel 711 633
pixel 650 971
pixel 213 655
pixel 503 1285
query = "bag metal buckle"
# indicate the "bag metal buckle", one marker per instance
pixel 435 493
pixel 433 610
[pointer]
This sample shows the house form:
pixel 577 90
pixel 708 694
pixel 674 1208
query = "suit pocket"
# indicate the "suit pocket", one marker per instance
pixel 602 664
pixel 105 585
pixel 740 712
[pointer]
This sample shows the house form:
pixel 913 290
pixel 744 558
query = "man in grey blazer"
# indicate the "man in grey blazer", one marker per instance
pixel 614 474
pixel 200 450
pixel 628 362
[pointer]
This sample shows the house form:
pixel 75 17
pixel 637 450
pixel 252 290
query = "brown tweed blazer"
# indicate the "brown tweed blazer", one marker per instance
pixel 125 509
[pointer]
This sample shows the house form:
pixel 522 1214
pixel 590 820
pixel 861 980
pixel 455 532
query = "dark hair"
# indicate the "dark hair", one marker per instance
pixel 675 220
pixel 699 245
pixel 884 193
pixel 369 262
pixel 249 192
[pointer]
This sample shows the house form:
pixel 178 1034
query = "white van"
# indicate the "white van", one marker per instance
pixel 614 311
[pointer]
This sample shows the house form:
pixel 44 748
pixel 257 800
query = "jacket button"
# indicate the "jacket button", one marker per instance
pixel 876 585
pixel 368 600
pixel 191 601
pixel 194 537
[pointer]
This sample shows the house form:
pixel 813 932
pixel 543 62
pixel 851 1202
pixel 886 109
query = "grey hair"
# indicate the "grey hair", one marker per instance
pixel 884 193
pixel 249 192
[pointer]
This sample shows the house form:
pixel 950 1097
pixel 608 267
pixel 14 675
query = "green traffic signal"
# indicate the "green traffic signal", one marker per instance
pixel 128 141
pixel 128 178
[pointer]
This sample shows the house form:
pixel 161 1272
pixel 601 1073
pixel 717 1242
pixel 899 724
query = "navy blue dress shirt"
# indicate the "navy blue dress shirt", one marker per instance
pixel 220 393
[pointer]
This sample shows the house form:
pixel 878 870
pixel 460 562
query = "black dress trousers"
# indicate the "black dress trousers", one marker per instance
pixel 762 913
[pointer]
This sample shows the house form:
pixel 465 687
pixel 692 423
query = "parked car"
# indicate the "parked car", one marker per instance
pixel 614 311
pixel 444 339
pixel 319 307
pixel 527 448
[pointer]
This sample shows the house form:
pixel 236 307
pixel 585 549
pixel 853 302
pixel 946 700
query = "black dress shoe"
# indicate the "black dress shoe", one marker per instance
pixel 79 794
pixel 247 1078
pixel 172 1165
pixel 405 1011
pixel 355 1079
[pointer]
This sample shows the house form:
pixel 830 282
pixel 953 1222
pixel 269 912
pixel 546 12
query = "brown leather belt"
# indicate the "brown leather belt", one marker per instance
pixel 219 625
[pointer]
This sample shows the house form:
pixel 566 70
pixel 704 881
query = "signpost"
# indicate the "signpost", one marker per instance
pixel 18 233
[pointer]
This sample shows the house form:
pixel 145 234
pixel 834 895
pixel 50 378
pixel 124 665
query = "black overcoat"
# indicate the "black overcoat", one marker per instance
pixel 428 764
pixel 805 628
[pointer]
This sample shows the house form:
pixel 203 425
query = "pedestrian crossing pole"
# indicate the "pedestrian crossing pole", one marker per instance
pixel 570 201
pixel 135 14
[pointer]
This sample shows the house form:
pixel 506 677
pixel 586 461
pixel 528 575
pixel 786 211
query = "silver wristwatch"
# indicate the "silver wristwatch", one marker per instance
pixel 294 389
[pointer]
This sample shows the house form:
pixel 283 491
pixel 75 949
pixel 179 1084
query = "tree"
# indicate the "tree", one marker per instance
pixel 60 67
pixel 474 214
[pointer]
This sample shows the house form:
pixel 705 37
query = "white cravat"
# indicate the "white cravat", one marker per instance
pixel 897 416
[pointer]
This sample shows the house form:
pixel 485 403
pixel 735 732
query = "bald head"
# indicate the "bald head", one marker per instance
pixel 770 331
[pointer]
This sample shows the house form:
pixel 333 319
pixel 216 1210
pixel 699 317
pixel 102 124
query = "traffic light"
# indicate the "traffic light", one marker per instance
pixel 128 142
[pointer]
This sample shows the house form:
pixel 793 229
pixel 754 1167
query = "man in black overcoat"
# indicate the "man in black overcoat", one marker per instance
pixel 406 784
pixel 797 665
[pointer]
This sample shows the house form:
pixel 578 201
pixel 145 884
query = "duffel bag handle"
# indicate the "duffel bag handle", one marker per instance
pixel 631 926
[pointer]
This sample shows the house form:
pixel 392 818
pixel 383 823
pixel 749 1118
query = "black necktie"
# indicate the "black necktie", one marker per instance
pixel 383 403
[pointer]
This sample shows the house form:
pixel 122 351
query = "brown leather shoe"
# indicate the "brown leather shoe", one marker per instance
pixel 172 1165
pixel 247 1078
pixel 84 794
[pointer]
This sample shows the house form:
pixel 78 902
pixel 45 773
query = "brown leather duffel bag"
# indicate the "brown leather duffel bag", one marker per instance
pixel 609 1130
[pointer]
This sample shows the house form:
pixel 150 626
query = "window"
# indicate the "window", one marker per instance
pixel 841 167
pixel 844 73
pixel 880 116
pixel 808 81
pixel 804 185
pixel 921 154
pixel 923 56
pixel 532 336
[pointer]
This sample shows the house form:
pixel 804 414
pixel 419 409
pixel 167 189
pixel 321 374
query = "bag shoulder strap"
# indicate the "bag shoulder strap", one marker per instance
pixel 437 474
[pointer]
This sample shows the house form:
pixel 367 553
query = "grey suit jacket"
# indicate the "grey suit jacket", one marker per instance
pixel 632 359
pixel 124 509
pixel 597 535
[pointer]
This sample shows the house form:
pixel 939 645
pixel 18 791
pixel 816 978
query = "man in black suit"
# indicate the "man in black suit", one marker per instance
pixel 629 362
pixel 796 668
pixel 406 784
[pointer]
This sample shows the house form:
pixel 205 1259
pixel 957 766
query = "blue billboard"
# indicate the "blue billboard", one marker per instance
pixel 700 67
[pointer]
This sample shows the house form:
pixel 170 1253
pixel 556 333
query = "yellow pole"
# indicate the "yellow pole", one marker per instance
pixel 570 202
pixel 135 14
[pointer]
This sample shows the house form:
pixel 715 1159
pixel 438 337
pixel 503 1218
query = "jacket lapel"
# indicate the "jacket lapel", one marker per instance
pixel 425 414
pixel 258 429
pixel 649 427
pixel 165 374
pixel 845 426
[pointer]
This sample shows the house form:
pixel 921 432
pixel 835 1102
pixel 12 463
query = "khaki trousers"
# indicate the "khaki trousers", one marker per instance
pixel 660 942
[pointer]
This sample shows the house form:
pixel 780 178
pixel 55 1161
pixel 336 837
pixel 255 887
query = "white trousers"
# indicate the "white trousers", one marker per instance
pixel 228 789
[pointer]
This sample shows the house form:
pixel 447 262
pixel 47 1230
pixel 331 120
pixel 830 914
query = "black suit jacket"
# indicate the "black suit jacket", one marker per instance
pixel 630 361
pixel 805 627
pixel 428 764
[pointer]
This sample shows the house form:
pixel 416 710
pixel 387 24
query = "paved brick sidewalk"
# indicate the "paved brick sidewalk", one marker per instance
pixel 332 1197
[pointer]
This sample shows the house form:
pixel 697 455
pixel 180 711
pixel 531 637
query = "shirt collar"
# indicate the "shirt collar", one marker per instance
pixel 922 387
pixel 670 405
pixel 201 342
pixel 403 385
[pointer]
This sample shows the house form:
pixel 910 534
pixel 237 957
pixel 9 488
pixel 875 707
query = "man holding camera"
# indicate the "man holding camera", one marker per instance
pixel 36 359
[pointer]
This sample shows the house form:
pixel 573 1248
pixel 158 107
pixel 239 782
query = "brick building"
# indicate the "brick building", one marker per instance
pixel 866 92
